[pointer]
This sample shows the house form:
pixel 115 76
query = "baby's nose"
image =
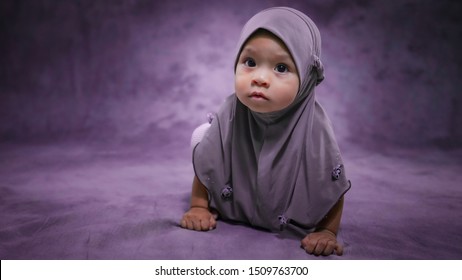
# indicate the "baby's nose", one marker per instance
pixel 261 78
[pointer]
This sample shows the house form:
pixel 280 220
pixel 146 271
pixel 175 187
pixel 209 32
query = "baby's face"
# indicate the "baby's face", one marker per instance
pixel 266 78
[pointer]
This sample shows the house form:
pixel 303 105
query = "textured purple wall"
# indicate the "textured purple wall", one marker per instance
pixel 152 69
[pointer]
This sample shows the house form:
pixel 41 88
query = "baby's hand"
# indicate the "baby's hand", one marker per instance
pixel 322 243
pixel 198 218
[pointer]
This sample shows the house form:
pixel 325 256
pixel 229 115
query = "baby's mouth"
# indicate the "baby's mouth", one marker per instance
pixel 258 95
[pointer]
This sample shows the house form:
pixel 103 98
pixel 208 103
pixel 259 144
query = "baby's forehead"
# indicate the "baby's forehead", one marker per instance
pixel 249 48
pixel 281 54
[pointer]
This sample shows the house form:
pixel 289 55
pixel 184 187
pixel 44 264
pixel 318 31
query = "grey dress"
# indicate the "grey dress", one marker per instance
pixel 275 169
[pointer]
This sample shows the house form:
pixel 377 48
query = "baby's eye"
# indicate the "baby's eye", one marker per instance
pixel 281 68
pixel 249 62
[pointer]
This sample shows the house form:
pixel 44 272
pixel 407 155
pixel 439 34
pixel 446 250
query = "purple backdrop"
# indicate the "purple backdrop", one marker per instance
pixel 126 69
pixel 98 100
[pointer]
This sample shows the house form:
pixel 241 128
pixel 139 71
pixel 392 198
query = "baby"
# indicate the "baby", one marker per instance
pixel 269 158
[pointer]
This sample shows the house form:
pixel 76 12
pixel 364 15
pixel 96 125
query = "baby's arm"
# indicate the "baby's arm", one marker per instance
pixel 323 241
pixel 199 217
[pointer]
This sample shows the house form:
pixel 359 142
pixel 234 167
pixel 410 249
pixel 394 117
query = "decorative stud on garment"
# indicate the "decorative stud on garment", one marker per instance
pixel 227 193
pixel 319 68
pixel 336 172
pixel 283 220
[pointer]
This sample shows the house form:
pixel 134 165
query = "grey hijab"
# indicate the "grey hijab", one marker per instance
pixel 275 169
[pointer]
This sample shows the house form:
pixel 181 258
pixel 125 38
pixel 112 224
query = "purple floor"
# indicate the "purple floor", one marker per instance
pixel 74 201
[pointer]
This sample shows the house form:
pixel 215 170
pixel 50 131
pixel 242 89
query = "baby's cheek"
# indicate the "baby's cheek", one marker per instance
pixel 289 94
pixel 239 84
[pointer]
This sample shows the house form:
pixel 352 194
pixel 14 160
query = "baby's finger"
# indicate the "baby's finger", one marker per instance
pixel 212 223
pixel 197 225
pixel 339 249
pixel 204 225
pixel 320 247
pixel 183 223
pixel 308 245
pixel 190 224
pixel 329 248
